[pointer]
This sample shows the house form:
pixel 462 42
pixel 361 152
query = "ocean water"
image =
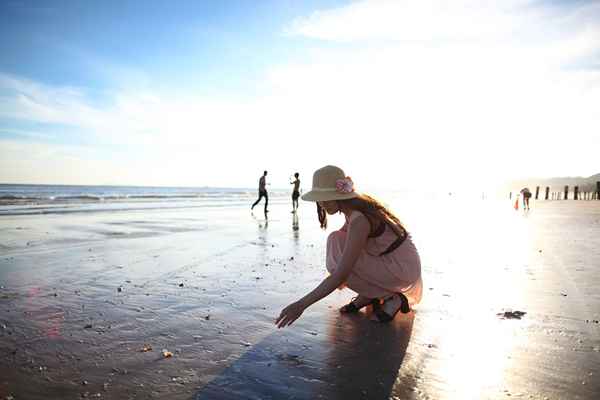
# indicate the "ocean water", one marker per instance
pixel 54 199
pixel 62 199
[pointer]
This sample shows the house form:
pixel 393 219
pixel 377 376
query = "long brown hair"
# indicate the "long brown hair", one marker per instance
pixel 376 213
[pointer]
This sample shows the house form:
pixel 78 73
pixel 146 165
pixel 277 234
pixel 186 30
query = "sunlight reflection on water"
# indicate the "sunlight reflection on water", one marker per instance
pixel 474 256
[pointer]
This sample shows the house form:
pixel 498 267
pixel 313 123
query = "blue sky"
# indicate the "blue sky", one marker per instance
pixel 212 93
pixel 213 47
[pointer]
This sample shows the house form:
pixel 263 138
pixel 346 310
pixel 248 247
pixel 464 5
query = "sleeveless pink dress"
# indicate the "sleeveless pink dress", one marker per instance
pixel 376 276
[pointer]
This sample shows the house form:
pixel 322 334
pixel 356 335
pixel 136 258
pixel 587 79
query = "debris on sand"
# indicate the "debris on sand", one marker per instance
pixel 511 314
pixel 119 371
pixel 119 289
pixel 146 348
pixel 166 353
pixel 88 326
pixel 290 358
pixel 181 284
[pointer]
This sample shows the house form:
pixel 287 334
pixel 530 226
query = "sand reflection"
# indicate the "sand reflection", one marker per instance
pixel 357 358
pixel 365 357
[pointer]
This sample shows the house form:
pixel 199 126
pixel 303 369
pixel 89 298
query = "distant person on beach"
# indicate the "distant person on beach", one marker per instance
pixel 262 192
pixel 526 193
pixel 372 253
pixel 295 192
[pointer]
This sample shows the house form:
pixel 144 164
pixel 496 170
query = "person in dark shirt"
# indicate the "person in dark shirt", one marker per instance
pixel 262 192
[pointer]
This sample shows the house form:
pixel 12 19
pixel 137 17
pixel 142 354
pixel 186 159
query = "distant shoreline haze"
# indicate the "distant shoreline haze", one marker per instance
pixel 585 184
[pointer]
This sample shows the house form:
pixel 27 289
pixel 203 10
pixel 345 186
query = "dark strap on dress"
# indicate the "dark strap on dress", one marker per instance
pixel 396 243
pixel 379 231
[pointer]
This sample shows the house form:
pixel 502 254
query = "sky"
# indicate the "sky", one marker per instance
pixel 397 93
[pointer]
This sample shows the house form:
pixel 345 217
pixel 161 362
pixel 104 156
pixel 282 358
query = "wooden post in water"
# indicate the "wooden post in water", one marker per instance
pixel 566 192
pixel 576 193
pixel 547 191
pixel 537 192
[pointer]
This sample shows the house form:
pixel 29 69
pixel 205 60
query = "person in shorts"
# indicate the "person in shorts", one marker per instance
pixel 295 192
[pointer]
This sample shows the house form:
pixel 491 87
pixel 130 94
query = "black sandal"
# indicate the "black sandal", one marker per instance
pixel 352 308
pixel 384 317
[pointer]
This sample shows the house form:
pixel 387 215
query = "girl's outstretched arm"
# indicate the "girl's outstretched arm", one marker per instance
pixel 358 232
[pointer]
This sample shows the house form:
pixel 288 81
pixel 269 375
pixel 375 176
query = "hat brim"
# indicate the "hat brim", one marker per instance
pixel 320 195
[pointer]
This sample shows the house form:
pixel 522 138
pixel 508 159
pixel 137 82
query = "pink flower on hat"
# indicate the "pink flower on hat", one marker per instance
pixel 344 185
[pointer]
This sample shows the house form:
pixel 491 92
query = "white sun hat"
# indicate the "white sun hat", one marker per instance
pixel 330 183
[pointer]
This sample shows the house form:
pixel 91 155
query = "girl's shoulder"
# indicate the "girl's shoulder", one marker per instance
pixel 356 214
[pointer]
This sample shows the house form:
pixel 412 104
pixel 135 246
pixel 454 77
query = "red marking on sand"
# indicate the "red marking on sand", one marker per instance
pixel 51 327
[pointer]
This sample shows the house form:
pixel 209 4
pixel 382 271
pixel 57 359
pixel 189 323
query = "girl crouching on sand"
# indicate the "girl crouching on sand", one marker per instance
pixel 372 253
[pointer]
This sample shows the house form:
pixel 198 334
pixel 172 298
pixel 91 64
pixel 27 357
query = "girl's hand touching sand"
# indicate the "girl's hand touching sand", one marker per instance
pixel 290 314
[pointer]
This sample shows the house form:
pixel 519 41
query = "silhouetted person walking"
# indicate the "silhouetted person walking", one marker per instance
pixel 526 196
pixel 262 192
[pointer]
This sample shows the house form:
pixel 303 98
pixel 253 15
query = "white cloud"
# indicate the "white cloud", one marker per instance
pixel 414 20
pixel 156 138
pixel 476 88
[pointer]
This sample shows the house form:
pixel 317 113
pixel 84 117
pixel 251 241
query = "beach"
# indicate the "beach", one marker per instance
pixel 180 303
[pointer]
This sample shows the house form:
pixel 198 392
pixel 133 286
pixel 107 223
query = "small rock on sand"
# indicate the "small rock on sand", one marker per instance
pixel 511 314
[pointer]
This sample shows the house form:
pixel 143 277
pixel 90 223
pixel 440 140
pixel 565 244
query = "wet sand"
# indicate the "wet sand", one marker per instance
pixel 82 295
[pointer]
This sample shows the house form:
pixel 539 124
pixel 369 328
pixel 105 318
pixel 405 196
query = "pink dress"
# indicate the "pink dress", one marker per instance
pixel 376 276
